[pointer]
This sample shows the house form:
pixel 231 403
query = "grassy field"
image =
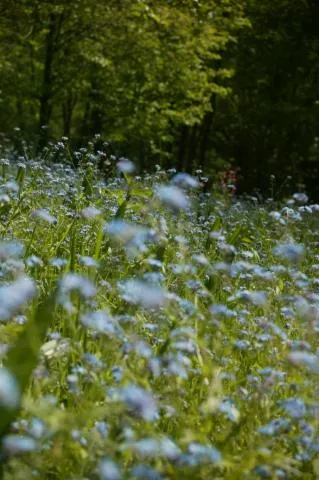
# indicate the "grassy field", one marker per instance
pixel 151 331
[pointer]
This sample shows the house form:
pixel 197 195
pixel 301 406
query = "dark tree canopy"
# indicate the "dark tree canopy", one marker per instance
pixel 187 84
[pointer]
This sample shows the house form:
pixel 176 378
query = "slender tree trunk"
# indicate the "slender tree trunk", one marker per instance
pixel 192 149
pixel 94 123
pixel 47 84
pixel 67 113
pixel 20 113
pixel 182 148
pixel 141 159
pixel 83 130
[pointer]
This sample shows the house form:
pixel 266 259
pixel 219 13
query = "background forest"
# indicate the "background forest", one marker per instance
pixel 182 83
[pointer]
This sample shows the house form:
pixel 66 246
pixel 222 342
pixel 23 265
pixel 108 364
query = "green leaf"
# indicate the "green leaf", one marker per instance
pixel 23 356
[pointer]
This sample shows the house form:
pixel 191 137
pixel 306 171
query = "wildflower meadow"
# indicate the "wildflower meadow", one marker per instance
pixel 151 329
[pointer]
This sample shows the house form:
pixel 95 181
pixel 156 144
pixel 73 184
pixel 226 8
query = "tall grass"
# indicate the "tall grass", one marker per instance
pixel 149 330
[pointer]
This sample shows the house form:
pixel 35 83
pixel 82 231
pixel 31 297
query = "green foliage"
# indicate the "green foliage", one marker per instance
pixel 179 340
pixel 185 84
pixel 134 71
pixel 23 356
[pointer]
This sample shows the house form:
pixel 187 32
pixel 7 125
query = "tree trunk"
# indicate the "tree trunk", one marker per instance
pixel 192 149
pixel 182 148
pixel 67 112
pixel 47 84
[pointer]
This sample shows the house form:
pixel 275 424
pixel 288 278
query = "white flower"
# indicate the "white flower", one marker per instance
pixel 55 348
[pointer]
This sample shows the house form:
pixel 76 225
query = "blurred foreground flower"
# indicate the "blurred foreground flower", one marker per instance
pixel 10 250
pixel 108 470
pixel 305 359
pixel 300 197
pixel 73 282
pixel 14 296
pixel 124 165
pixel 138 292
pixel 173 197
pixel 100 322
pixel 91 212
pixel 290 251
pixel 126 232
pixel 44 215
pixel 18 444
pixel 257 298
pixel 185 180
pixel 9 390
pixel 138 401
